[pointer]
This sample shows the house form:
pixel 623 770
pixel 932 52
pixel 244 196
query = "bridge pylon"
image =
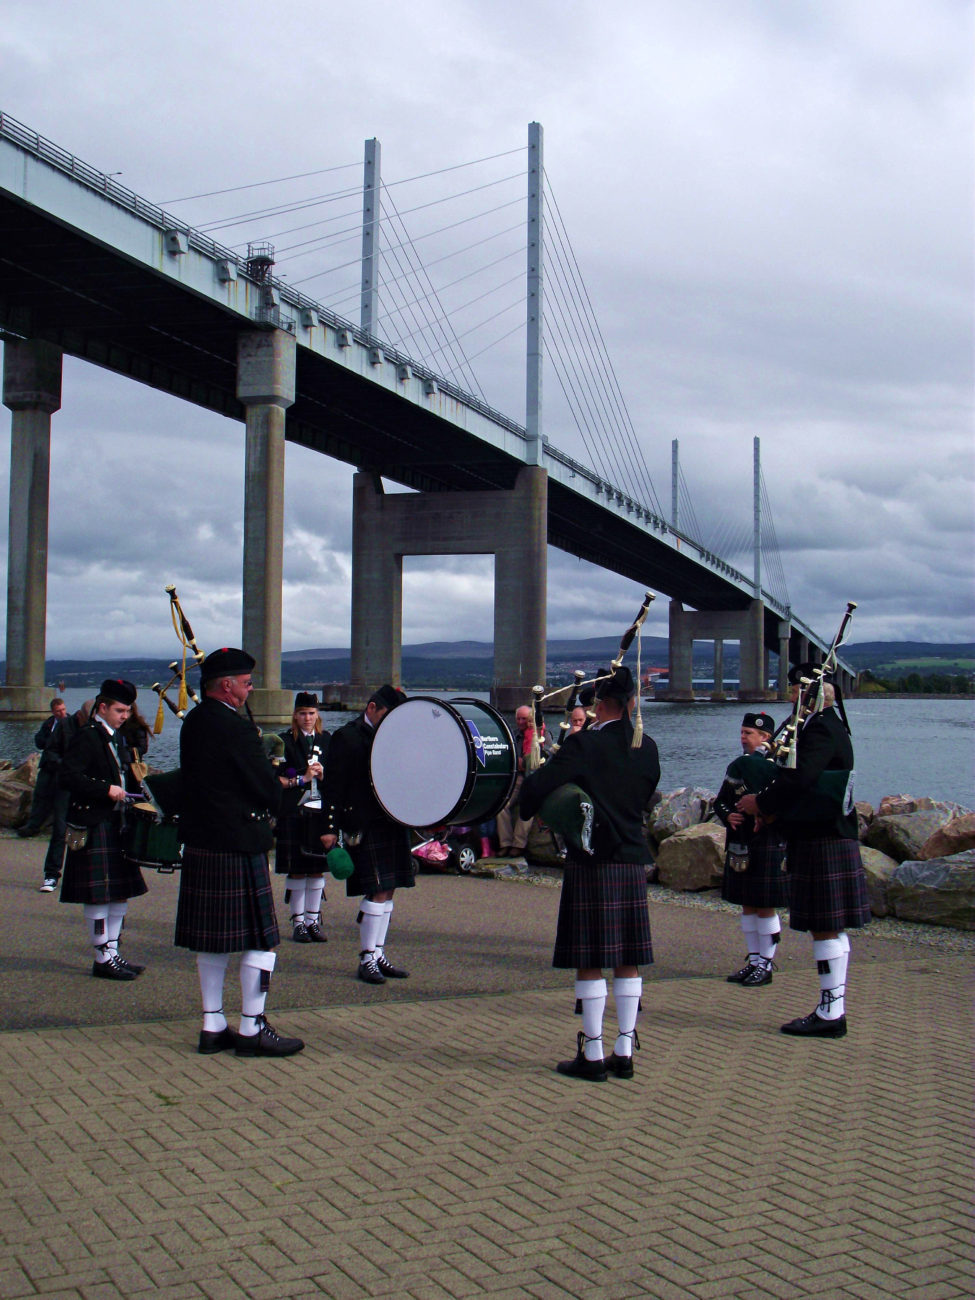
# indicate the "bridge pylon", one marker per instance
pixel 746 626
pixel 510 524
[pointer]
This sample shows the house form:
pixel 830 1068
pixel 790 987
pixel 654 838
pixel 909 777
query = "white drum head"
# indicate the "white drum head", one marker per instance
pixel 420 762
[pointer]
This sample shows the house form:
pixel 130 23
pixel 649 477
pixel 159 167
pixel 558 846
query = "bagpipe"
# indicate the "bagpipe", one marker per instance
pixel 810 698
pixel 178 668
pixel 569 810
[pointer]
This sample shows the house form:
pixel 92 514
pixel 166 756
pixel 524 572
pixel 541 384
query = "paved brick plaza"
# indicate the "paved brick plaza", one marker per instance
pixel 423 1147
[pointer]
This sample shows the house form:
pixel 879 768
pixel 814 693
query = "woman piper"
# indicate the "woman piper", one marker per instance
pixel 97 874
pixel 305 747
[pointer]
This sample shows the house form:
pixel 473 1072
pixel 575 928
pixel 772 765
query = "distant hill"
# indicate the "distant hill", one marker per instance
pixel 468 664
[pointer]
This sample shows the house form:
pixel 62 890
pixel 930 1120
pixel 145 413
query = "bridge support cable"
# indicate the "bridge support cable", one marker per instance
pixel 592 356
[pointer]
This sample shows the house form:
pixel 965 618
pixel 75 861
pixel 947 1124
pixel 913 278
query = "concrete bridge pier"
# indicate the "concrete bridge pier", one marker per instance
pixel 744 626
pixel 718 693
pixel 32 391
pixel 266 387
pixel 511 525
pixel 782 681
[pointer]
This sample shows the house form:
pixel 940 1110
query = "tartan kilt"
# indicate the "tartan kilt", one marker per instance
pixel 225 902
pixel 382 861
pixel 763 883
pixel 604 919
pixel 827 885
pixel 288 857
pixel 100 872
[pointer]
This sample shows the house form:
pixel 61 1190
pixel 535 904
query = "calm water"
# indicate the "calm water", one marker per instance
pixel 919 747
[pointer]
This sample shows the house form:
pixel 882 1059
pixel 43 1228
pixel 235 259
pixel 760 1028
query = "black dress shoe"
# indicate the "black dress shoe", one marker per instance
pixel 369 971
pixel 582 1068
pixel 621 1066
pixel 315 933
pixel 266 1042
pixel 739 975
pixel 111 970
pixel 135 966
pixel 389 971
pixel 756 977
pixel 814 1026
pixel 216 1040
pixel 300 933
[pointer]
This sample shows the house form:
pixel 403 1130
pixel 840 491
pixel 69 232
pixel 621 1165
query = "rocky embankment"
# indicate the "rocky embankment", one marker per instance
pixel 918 853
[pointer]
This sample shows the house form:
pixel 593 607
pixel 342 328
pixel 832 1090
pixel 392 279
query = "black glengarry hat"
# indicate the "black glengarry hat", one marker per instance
pixel 113 688
pixel 226 662
pixel 387 697
pixel 759 721
pixel 618 687
pixel 306 700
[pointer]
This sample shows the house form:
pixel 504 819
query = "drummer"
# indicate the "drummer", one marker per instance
pixel 380 847
pixel 305 747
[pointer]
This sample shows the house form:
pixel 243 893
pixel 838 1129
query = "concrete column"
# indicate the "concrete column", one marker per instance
pixel 520 587
pixel 32 391
pixel 717 693
pixel 377 594
pixel 752 676
pixel 266 386
pixel 782 683
pixel 680 654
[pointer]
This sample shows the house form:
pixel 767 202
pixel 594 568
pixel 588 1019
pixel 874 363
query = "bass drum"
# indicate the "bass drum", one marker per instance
pixel 443 763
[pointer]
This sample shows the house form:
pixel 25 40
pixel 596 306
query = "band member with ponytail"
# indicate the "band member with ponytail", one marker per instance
pixel 229 793
pixel 305 746
pixel 753 874
pixel 812 804
pixel 97 873
pixel 603 916
pixel 380 847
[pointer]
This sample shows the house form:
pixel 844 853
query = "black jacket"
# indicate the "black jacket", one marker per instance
pixel 619 779
pixel 808 801
pixel 349 803
pixel 229 790
pixel 88 770
pixel 53 740
pixel 297 752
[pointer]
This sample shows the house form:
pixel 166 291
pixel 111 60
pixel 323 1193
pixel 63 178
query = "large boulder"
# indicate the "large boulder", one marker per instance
pixel 903 835
pixel 878 868
pixel 865 815
pixel 693 858
pixel 938 892
pixel 16 793
pixel 688 806
pixel 894 805
pixel 954 837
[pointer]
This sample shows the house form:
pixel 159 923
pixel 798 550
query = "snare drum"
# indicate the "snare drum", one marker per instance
pixel 442 763
pixel 152 843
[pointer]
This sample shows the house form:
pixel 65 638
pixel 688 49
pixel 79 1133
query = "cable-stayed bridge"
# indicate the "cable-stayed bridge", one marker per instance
pixel 91 269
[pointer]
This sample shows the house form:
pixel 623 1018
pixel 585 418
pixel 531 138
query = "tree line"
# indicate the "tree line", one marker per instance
pixel 917 683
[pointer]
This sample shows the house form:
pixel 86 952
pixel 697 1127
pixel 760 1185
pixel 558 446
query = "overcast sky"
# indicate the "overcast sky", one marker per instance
pixel 770 202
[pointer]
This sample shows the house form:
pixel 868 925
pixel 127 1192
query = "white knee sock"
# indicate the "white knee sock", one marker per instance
pixel 371 918
pixel 211 968
pixel 314 888
pixel 769 928
pixel 749 928
pixel 294 896
pixel 832 957
pixel 114 924
pixel 592 994
pixel 96 916
pixel 255 977
pixel 383 930
pixel 626 994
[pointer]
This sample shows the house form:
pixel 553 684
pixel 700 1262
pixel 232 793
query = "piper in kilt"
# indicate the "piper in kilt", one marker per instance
pixel 380 847
pixel 99 876
pixel 305 747
pixel 229 792
pixel 812 803
pixel 603 916
pixel 754 852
